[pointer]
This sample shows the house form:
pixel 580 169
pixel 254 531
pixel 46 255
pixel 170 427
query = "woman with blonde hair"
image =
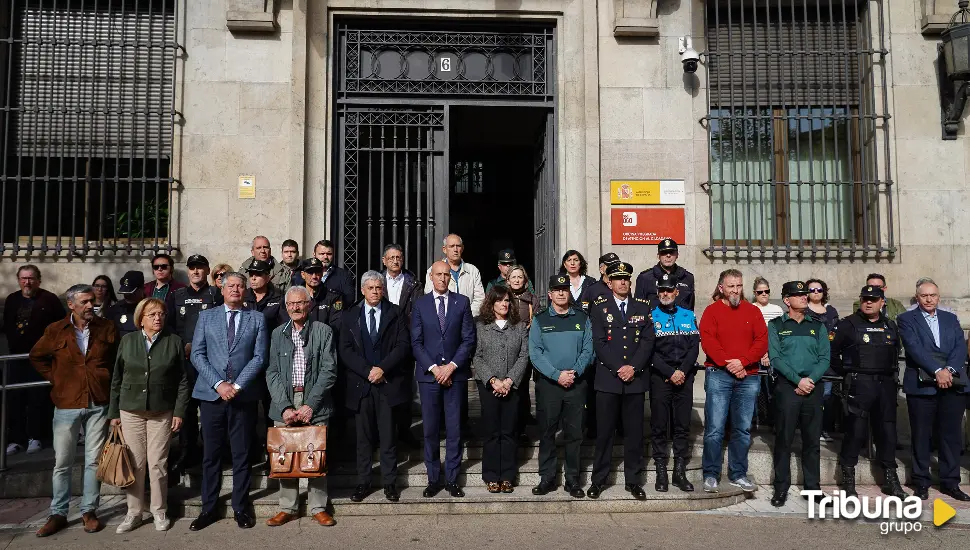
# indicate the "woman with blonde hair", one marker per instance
pixel 219 273
pixel 149 393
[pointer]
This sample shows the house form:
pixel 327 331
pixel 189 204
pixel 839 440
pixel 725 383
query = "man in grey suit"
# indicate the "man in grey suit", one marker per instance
pixel 228 351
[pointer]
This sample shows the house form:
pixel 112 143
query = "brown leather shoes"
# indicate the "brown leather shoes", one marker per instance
pixel 91 522
pixel 324 519
pixel 281 518
pixel 54 524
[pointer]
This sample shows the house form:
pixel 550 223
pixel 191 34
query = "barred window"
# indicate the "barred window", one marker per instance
pixel 799 156
pixel 87 126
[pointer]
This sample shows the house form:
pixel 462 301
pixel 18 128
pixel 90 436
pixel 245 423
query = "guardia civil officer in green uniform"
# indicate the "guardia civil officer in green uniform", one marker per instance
pixel 798 346
pixel 865 349
pixel 122 312
pixel 623 336
pixel 560 348
pixel 506 259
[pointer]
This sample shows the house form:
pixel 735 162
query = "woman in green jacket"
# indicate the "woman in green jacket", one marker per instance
pixel 149 393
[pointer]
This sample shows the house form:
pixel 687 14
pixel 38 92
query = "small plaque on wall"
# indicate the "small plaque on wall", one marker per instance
pixel 247 187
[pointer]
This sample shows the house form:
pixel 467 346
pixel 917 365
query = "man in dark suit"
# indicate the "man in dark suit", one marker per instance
pixel 623 339
pixel 229 352
pixel 375 350
pixel 401 289
pixel 935 383
pixel 443 341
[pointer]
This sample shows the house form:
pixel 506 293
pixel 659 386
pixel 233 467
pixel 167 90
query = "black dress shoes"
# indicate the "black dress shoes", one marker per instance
pixel 454 490
pixel 594 491
pixel 574 490
pixel 779 498
pixel 204 520
pixel 244 520
pixel 636 490
pixel 432 490
pixel 360 493
pixel 391 494
pixel 922 492
pixel 543 488
pixel 955 493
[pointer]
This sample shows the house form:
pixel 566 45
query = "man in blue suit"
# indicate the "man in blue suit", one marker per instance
pixel 443 341
pixel 935 382
pixel 228 351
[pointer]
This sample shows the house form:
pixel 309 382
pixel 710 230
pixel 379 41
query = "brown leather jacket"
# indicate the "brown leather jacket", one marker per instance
pixel 77 379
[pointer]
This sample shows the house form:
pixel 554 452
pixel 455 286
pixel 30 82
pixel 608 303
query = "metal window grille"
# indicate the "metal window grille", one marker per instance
pixel 798 129
pixel 87 125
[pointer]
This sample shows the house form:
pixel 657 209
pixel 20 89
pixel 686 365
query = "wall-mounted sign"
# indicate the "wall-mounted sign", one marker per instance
pixel 647 192
pixel 647 225
pixel 247 187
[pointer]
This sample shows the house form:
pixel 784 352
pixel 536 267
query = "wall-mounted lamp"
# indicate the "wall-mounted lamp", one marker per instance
pixel 953 69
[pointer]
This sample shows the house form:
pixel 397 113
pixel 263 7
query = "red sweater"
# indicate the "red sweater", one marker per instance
pixel 734 333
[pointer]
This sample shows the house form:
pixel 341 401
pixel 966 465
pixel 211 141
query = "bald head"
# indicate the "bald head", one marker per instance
pixel 440 276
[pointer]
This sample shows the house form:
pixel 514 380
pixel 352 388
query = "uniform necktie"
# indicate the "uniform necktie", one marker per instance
pixel 230 336
pixel 373 325
pixel 623 310
pixel 441 312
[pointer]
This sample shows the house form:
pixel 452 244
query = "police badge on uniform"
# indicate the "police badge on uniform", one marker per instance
pixel 865 338
pixel 609 317
pixel 205 306
pixel 124 319
pixel 182 310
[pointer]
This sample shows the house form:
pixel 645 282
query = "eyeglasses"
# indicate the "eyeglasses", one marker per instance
pixel 762 292
pixel 300 303
pixel 102 286
pixel 816 290
pixel 161 267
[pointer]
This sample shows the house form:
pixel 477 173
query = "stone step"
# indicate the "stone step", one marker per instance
pixel 477 500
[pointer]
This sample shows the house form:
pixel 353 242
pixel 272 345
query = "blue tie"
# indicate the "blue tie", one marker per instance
pixel 373 325
pixel 441 312
pixel 623 310
pixel 231 335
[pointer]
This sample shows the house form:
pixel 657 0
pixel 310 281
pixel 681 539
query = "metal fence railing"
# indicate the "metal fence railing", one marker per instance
pixel 5 361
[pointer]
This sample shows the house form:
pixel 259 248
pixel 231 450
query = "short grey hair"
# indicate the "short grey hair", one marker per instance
pixel 392 246
pixel 257 237
pixel 234 274
pixel 925 281
pixel 301 290
pixel 72 292
pixel 444 242
pixel 371 276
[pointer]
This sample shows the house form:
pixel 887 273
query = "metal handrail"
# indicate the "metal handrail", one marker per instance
pixel 4 363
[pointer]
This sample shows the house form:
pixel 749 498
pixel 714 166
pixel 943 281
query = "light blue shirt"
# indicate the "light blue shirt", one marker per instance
pixel 236 331
pixel 149 340
pixel 933 321
pixel 377 315
pixel 82 336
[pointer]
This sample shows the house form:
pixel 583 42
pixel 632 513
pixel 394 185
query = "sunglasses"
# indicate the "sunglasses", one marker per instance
pixel 161 267
pixel 219 275
pixel 762 292
pixel 870 299
pixel 816 290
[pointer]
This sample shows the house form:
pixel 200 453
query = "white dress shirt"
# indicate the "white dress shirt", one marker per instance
pixel 377 315
pixel 82 336
pixel 625 308
pixel 394 287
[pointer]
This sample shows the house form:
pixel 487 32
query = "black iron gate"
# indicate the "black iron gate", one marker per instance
pixel 394 82
pixel 546 205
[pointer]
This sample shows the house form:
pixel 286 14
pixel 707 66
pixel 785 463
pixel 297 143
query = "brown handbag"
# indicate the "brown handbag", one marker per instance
pixel 297 451
pixel 115 465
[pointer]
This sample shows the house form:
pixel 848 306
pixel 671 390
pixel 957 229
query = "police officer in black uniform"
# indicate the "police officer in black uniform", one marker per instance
pixel 865 349
pixel 592 293
pixel 667 270
pixel 262 295
pixel 185 305
pixel 623 338
pixel 122 312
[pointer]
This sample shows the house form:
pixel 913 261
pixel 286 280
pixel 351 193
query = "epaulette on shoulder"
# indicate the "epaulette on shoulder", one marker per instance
pixel 540 311
pixel 600 300
pixel 642 300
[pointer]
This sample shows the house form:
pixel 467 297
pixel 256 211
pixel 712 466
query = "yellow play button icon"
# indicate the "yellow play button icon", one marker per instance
pixel 942 512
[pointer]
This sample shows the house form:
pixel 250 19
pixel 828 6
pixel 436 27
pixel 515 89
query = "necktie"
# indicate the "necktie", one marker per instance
pixel 623 310
pixel 441 312
pixel 373 325
pixel 231 335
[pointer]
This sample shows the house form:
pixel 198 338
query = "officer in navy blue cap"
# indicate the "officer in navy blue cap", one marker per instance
pixel 865 350
pixel 623 339
pixel 122 312
pixel 668 272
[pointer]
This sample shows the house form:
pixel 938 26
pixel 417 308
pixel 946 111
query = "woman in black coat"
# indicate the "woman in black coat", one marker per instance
pixel 574 265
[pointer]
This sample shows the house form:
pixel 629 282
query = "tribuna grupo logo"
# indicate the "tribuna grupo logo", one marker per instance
pixel 893 513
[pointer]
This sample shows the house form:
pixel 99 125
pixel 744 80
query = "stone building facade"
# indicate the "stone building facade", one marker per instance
pixel 258 93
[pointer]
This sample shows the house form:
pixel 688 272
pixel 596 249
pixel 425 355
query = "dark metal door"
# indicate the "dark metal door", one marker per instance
pixel 393 186
pixel 546 203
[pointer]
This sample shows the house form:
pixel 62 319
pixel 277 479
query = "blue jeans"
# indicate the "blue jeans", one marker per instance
pixel 726 395
pixel 67 425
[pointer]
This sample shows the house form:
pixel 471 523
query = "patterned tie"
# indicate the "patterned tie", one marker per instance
pixel 623 310
pixel 231 332
pixel 373 325
pixel 441 312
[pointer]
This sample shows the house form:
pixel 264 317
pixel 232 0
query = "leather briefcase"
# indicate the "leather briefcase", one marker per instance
pixel 297 451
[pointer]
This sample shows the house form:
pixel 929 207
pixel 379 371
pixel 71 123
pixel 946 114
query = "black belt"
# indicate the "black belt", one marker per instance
pixel 873 377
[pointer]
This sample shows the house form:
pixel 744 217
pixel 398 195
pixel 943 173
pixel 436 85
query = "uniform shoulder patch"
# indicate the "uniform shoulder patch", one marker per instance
pixel 600 300
pixel 338 305
pixel 642 300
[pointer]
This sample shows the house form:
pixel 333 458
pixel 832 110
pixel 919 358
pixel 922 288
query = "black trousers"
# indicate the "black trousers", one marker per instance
pixel 803 412
pixel 219 419
pixel 499 420
pixel 872 403
pixel 942 413
pixel 609 408
pixel 557 406
pixel 375 427
pixel 665 398
pixel 30 411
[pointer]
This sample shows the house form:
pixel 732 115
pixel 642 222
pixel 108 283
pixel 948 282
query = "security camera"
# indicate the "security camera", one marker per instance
pixel 688 55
